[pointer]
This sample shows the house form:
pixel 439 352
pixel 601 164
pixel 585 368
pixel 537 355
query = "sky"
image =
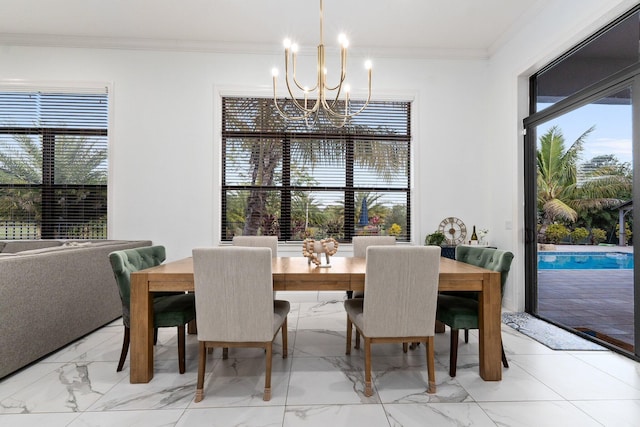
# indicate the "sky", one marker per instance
pixel 612 134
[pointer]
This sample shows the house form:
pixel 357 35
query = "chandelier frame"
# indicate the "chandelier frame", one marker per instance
pixel 327 97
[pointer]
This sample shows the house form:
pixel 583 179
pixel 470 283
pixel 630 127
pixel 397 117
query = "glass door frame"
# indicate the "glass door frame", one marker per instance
pixel 627 78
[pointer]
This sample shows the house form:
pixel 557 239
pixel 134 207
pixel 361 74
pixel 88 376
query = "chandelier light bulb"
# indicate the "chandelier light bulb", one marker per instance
pixel 367 64
pixel 342 39
pixel 347 88
pixel 287 43
pixel 294 47
pixel 274 72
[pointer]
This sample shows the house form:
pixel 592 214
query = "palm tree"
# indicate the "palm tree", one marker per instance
pixel 77 161
pixel 561 195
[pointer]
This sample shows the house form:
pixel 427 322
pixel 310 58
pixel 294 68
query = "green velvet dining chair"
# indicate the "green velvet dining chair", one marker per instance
pixel 460 310
pixel 169 309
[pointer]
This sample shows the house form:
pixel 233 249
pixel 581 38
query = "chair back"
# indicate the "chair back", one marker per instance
pixel 401 291
pixel 234 294
pixel 489 258
pixel 258 242
pixel 361 243
pixel 127 261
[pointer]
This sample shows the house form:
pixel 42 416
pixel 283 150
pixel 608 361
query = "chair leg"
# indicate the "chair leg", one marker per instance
pixel 505 363
pixel 405 347
pixel 349 333
pixel 368 387
pixel 267 374
pixel 357 345
pixel 453 353
pixel 431 365
pixel 285 349
pixel 466 336
pixel 225 353
pixel 125 349
pixel 181 339
pixel 202 364
pixel 155 336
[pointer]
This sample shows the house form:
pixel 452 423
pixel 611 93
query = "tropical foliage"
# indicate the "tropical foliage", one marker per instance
pixel 578 195
pixel 79 161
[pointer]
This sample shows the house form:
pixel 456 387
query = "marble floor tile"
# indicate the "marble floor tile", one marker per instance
pixel 32 420
pixel 536 414
pixel 574 379
pixel 327 381
pixel 437 414
pixel 319 385
pixel 271 416
pixel 613 413
pixel 335 415
pixel 159 418
pixel 70 387
pixel 240 382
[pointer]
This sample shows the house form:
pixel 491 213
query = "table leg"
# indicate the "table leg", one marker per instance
pixel 141 351
pixel 490 333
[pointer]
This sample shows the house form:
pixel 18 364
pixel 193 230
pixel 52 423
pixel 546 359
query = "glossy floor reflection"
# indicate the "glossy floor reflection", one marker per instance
pixel 319 386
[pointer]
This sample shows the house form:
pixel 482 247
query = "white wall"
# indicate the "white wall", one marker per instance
pixel 165 141
pixel 164 138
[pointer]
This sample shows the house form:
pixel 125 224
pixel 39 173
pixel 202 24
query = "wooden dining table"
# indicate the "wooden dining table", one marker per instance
pixel 295 274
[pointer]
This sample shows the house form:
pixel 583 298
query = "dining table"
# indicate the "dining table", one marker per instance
pixel 297 274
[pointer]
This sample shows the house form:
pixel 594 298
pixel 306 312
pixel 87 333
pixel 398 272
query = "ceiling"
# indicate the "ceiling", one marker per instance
pixel 448 28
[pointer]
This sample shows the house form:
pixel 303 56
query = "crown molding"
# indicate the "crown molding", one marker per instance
pixel 210 46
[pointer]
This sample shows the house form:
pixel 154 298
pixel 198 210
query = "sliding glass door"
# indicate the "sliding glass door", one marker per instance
pixel 584 198
pixel 581 148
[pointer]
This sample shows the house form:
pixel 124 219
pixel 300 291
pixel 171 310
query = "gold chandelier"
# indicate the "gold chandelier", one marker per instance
pixel 326 98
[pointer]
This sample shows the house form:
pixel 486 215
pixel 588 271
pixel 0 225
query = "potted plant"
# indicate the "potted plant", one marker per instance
pixel 434 239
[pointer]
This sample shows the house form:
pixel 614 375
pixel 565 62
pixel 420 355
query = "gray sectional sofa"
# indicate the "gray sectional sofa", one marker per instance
pixel 53 292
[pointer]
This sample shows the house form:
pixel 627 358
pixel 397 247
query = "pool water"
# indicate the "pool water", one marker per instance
pixel 584 260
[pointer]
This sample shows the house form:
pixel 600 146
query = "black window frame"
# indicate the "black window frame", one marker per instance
pixel 349 136
pixel 67 210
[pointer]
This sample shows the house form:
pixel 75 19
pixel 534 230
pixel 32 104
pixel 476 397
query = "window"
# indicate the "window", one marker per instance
pixel 53 163
pixel 296 180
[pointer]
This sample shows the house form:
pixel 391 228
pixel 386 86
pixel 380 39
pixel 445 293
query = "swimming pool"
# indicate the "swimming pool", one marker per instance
pixel 584 260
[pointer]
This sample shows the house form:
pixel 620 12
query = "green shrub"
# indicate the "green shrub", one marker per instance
pixel 627 232
pixel 598 235
pixel 579 234
pixel 556 232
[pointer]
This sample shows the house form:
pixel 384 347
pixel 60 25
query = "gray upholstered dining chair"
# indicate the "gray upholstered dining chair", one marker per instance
pixel 169 309
pixel 404 312
pixel 258 242
pixel 459 310
pixel 235 305
pixel 360 245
